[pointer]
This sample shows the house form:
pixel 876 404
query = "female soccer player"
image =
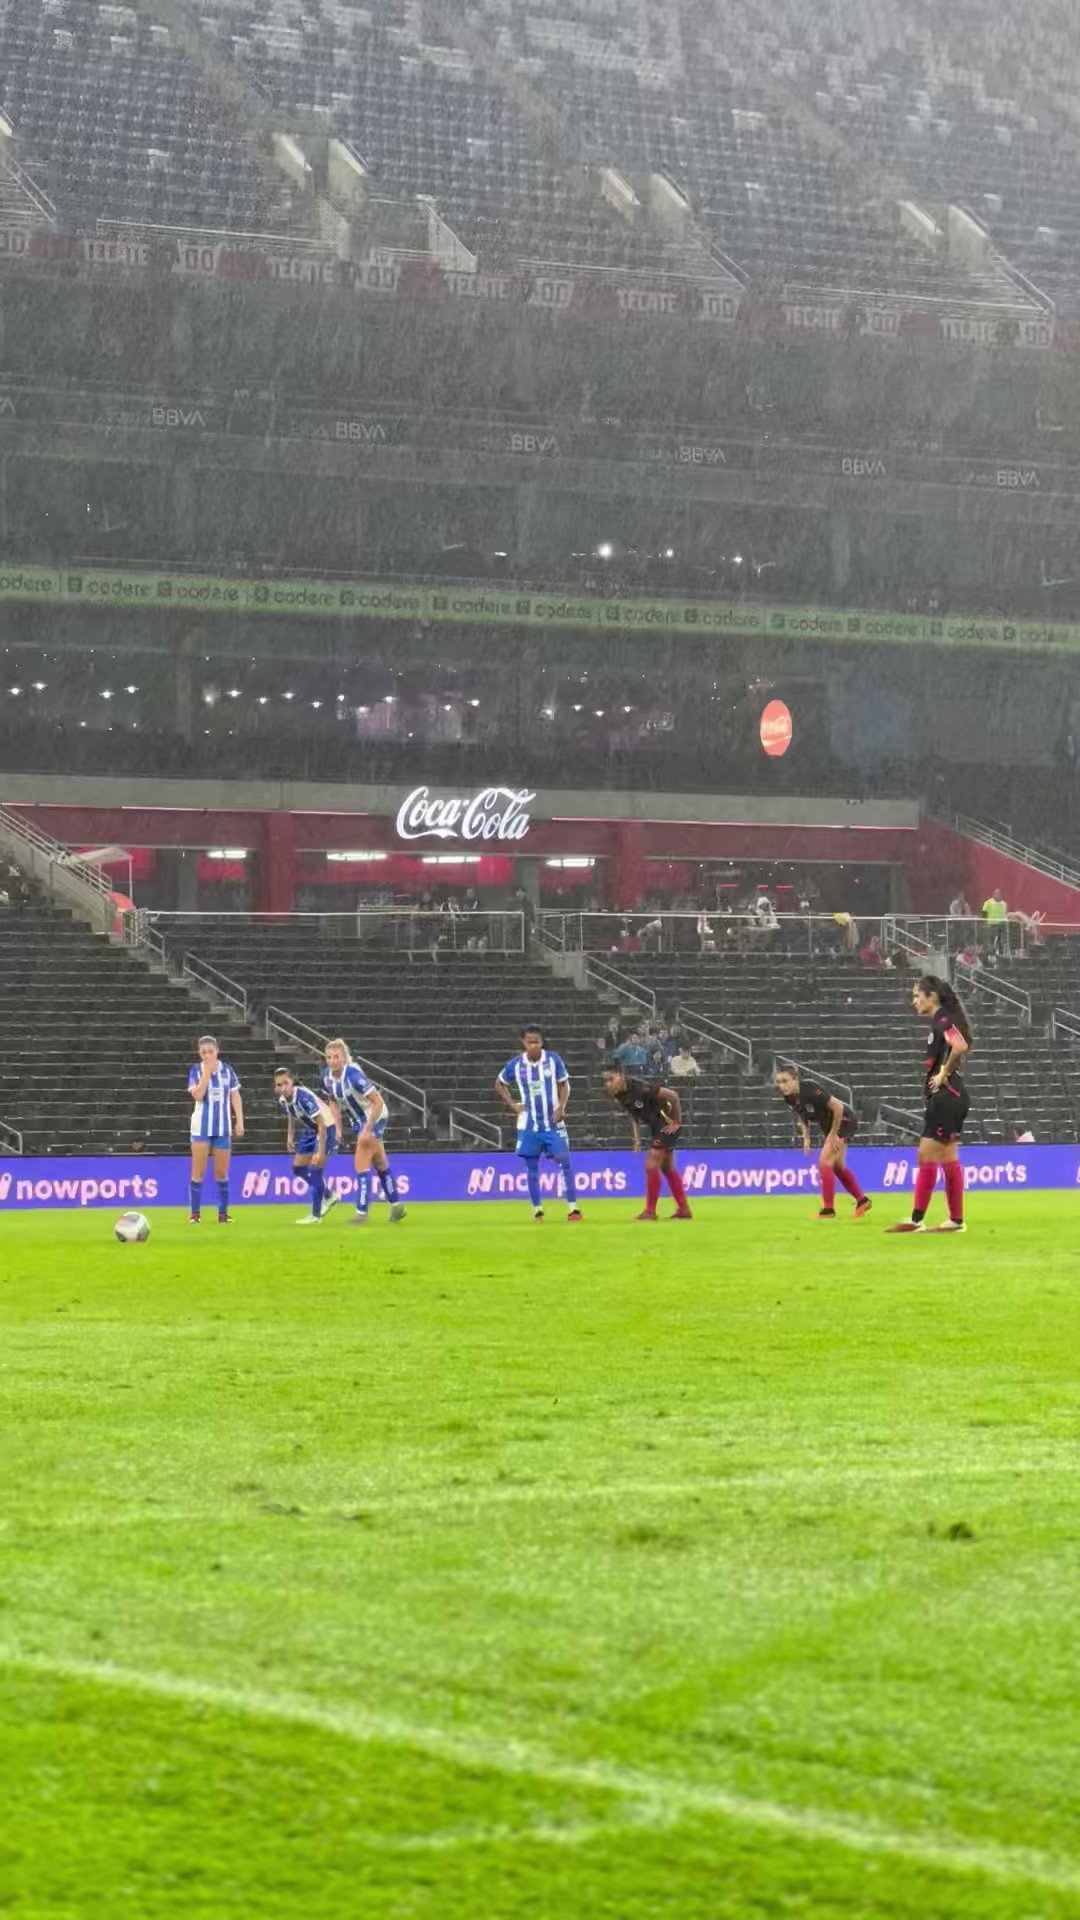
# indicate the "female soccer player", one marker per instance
pixel 949 1039
pixel 311 1139
pixel 535 1086
pixel 656 1111
pixel 351 1093
pixel 217 1115
pixel 810 1102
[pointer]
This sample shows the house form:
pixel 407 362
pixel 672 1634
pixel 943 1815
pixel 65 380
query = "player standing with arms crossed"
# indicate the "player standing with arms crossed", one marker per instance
pixel 809 1102
pixel 535 1087
pixel 656 1111
pixel 351 1093
pixel 311 1138
pixel 947 1103
pixel 218 1114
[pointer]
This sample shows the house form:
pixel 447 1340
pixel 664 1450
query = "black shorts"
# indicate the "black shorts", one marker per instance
pixel 665 1142
pixel 848 1129
pixel 945 1114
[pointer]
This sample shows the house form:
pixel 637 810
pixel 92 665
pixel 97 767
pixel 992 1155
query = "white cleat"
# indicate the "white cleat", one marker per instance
pixel 331 1200
pixel 949 1226
pixel 310 1220
pixel 907 1226
pixel 397 1212
pixel 357 1219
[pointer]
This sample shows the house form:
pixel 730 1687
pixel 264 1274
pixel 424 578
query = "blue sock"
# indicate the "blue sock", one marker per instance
pixel 318 1187
pixel 304 1174
pixel 223 1196
pixel 195 1190
pixel 388 1183
pixel 363 1183
pixel 569 1183
pixel 532 1168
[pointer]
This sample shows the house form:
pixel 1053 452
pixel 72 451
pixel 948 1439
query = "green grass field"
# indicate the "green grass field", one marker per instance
pixel 474 1571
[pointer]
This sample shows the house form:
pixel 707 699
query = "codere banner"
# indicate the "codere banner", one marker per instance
pixel 510 607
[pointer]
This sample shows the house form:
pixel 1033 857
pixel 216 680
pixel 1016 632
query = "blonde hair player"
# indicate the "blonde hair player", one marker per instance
pixel 217 1118
pixel 350 1093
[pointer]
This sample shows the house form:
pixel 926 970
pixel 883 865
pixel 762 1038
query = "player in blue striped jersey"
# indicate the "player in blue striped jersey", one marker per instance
pixel 311 1139
pixel 535 1086
pixel 353 1098
pixel 217 1116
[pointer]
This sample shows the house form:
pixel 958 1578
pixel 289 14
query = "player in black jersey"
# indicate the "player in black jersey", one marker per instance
pixel 655 1113
pixel 810 1103
pixel 949 1039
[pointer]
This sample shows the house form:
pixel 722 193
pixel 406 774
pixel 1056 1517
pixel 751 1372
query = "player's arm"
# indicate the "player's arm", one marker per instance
pixel 836 1115
pixel 804 1134
pixel 671 1108
pixel 374 1108
pixel 562 1090
pixel 958 1046
pixel 318 1158
pixel 503 1091
pixel 237 1106
pixel 198 1087
pixel 335 1115
pixel 290 1133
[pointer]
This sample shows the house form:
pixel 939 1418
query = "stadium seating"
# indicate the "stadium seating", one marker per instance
pixel 95 1048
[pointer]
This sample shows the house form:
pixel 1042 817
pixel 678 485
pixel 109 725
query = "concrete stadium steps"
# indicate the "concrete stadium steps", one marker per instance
pixel 95 1048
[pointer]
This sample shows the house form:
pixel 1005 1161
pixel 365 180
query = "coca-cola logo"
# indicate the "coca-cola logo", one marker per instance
pixel 495 813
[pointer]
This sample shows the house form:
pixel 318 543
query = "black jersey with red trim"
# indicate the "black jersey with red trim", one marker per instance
pixel 939 1044
pixel 811 1103
pixel 641 1100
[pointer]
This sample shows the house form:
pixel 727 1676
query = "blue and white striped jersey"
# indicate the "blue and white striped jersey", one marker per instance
pixel 352 1093
pixel 536 1083
pixel 211 1117
pixel 303 1107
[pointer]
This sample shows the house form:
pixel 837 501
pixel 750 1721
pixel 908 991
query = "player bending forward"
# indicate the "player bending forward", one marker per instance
pixel 810 1103
pixel 948 1041
pixel 352 1096
pixel 656 1112
pixel 535 1086
pixel 311 1139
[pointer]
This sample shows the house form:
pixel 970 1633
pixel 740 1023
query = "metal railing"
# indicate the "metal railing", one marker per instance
pixel 900 1119
pixel 465 1125
pixel 1013 849
pixel 408 930
pixel 283 1026
pixel 977 980
pixel 213 981
pixel 611 979
pixel 77 883
pixel 1064 1025
pixel 701 1027
pixel 11 1140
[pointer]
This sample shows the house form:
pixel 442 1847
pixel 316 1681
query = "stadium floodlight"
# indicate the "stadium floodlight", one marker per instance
pixel 131 689
pixel 226 853
pixel 39 686
pixel 341 858
pixel 605 550
pixel 288 696
pixel 106 693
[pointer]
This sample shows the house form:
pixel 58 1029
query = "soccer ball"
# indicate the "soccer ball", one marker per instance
pixel 132 1226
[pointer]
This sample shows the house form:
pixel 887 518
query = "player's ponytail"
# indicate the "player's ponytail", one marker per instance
pixel 950 1003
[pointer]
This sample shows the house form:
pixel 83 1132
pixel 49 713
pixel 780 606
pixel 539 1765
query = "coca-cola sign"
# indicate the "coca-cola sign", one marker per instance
pixel 495 813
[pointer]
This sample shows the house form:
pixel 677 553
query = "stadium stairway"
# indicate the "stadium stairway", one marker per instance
pixel 95 1045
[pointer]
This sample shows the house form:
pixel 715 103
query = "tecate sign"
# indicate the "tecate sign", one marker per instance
pixel 495 813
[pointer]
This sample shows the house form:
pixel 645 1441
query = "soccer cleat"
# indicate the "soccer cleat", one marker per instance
pixel 331 1198
pixel 906 1226
pixel 195 1220
pixel 949 1226
pixel 647 1215
pixel 863 1206
pixel 224 1219
pixel 397 1212
pixel 358 1219
pixel 310 1220
pixel 681 1213
pixel 825 1213
pixel 538 1213
pixel 574 1216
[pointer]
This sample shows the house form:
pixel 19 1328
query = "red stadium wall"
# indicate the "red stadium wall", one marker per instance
pixel 947 860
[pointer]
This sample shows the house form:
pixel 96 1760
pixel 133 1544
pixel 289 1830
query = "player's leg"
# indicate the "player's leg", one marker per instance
pixel 222 1157
pixel 387 1180
pixel 330 1194
pixel 200 1156
pixel 931 1154
pixel 532 1175
pixel 301 1167
pixel 849 1183
pixel 675 1182
pixel 362 1168
pixel 827 1178
pixel 653 1158
pixel 559 1149
pixel 953 1175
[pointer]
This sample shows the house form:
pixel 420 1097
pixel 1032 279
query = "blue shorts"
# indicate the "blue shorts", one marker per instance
pixel 554 1141
pixel 309 1144
pixel 378 1131
pixel 215 1141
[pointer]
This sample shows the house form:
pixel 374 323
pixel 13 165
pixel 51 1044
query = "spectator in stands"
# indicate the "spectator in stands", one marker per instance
pixel 873 955
pixel 705 934
pixel 633 1054
pixel 14 891
pixel 995 914
pixel 958 907
pixel 652 935
pixel 683 1064
pixel 1025 1137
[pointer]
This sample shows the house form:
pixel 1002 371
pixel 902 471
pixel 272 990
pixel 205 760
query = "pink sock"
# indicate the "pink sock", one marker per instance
pixel 925 1182
pixel 954 1189
pixel 652 1189
pixel 678 1191
pixel 828 1187
pixel 849 1183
